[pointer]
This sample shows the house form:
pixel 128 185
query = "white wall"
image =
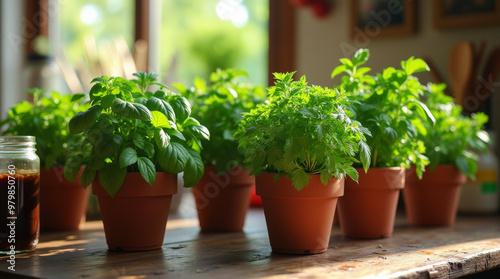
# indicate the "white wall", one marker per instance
pixel 12 54
pixel 319 43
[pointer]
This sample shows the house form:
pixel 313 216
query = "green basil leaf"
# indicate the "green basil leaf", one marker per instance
pixel 162 106
pixel 98 90
pixel 138 141
pixel 106 101
pixel 181 107
pixel 102 79
pixel 147 170
pixel 200 132
pixel 84 120
pixel 131 110
pixel 159 120
pixel 96 162
pixel 174 158
pixel 112 178
pixel 193 170
pixel 161 138
pixel 77 97
pixel 128 157
pixel 191 122
pixel 109 145
pixel 149 149
pixel 88 176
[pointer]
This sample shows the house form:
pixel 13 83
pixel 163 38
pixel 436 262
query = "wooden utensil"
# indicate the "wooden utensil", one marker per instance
pixel 490 75
pixel 461 61
pixel 473 89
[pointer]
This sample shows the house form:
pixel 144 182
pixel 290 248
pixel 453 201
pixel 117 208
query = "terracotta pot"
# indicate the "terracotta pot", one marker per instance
pixel 135 219
pixel 433 201
pixel 63 203
pixel 368 209
pixel 222 199
pixel 298 222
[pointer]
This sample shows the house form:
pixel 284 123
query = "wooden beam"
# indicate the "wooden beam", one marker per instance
pixel 281 38
pixel 37 22
pixel 142 24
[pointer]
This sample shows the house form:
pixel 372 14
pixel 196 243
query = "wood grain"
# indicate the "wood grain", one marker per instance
pixel 471 246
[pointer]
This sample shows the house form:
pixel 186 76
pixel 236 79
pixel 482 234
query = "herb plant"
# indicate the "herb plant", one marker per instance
pixel 302 130
pixel 389 105
pixel 454 136
pixel 219 106
pixel 47 119
pixel 130 129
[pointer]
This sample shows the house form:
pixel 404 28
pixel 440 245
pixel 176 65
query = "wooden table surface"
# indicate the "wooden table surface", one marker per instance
pixel 471 246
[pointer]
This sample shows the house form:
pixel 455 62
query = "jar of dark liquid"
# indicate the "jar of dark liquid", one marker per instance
pixel 19 194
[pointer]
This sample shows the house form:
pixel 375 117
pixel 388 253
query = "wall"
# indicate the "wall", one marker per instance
pixel 320 42
pixel 11 52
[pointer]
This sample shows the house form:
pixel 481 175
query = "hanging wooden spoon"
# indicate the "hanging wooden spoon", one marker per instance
pixel 490 75
pixel 460 64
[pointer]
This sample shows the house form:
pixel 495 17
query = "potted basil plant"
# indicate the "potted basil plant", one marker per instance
pixel 222 195
pixel 389 105
pixel 452 144
pixel 300 144
pixel 136 141
pixel 62 203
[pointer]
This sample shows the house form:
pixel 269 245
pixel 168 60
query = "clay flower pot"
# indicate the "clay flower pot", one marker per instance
pixel 433 201
pixel 63 203
pixel 368 209
pixel 298 222
pixel 135 219
pixel 222 199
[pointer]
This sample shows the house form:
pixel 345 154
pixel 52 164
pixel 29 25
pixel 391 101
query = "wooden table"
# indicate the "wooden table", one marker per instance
pixel 471 246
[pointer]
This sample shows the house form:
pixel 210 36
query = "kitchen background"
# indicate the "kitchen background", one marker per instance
pixel 318 41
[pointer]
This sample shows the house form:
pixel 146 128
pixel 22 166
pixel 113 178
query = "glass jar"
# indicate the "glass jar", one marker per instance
pixel 19 194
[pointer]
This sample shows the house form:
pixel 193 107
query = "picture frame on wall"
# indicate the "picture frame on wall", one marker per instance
pixel 382 18
pixel 450 14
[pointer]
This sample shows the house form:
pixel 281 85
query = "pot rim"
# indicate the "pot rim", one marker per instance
pixel 283 187
pixel 164 185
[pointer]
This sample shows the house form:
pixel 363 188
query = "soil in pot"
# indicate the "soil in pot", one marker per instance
pixel 433 201
pixel 135 219
pixel 222 199
pixel 63 203
pixel 298 222
pixel 368 209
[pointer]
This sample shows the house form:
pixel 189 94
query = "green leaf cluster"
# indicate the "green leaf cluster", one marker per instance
pixel 455 139
pixel 389 105
pixel 219 105
pixel 302 130
pixel 47 119
pixel 131 129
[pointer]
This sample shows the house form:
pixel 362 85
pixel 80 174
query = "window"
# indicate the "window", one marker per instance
pixel 197 37
pixel 94 35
